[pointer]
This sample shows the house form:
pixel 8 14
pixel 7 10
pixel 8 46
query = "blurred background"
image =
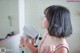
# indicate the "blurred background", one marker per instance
pixel 14 14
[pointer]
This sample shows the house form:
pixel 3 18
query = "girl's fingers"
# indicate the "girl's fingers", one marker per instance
pixel 27 40
pixel 32 41
pixel 22 41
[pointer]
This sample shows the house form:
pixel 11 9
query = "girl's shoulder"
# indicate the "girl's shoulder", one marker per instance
pixel 62 47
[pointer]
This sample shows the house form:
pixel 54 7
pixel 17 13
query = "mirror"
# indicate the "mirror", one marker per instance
pixel 34 12
pixel 9 19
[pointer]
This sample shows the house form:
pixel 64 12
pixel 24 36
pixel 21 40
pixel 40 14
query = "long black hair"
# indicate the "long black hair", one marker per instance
pixel 59 21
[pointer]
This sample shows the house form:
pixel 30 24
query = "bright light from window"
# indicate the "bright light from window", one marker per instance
pixel 21 15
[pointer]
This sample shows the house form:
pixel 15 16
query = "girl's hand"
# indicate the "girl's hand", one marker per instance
pixel 30 45
pixel 21 42
pixel 29 42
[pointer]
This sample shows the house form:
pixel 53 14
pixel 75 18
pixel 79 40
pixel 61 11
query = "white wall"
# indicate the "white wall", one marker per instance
pixel 8 8
pixel 34 12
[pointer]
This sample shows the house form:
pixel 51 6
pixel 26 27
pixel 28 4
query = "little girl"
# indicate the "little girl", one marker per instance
pixel 58 24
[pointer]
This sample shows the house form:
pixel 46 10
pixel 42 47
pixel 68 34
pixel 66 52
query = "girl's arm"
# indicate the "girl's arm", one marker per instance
pixel 29 45
pixel 61 50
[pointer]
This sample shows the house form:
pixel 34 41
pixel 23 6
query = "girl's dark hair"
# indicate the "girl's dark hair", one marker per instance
pixel 59 21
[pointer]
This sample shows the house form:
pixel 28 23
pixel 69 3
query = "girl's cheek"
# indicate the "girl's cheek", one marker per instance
pixel 44 23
